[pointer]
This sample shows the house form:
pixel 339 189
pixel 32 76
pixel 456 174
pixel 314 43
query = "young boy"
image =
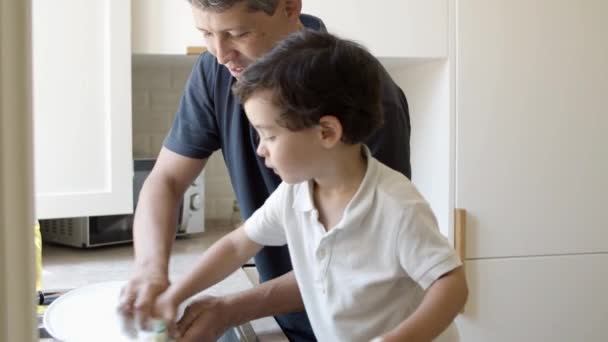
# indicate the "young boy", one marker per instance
pixel 367 254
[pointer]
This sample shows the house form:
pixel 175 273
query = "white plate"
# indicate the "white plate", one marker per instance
pixel 88 314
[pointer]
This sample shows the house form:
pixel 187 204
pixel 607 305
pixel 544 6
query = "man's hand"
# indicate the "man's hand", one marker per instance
pixel 139 295
pixel 205 319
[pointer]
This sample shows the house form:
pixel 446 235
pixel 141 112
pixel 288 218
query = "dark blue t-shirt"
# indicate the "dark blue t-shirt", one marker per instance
pixel 210 118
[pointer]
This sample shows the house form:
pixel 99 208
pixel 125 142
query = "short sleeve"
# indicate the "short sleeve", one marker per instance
pixel 423 251
pixel 194 132
pixel 266 226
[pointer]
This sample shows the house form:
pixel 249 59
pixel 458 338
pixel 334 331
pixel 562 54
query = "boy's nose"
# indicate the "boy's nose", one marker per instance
pixel 261 150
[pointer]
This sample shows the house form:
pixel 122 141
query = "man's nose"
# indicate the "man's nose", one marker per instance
pixel 223 50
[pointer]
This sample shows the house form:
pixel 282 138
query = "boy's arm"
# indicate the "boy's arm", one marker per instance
pixel 219 261
pixel 442 302
pixel 208 317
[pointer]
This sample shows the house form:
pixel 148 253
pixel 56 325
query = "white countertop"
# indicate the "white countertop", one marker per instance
pixel 66 268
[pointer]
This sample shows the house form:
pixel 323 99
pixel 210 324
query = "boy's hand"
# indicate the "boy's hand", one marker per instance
pixel 166 307
pixel 205 319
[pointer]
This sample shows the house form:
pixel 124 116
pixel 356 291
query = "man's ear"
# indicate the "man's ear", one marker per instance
pixel 292 9
pixel 330 130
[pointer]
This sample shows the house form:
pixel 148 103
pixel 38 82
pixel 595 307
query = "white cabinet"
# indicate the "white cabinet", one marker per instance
pixel 163 27
pixel 517 114
pixel 389 28
pixel 82 107
pixel 530 168
pixel 559 298
pixel 531 126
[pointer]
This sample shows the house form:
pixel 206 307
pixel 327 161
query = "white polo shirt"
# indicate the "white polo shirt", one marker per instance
pixel 368 273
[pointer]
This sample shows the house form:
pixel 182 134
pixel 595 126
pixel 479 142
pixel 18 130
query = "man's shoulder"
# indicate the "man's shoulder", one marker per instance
pixel 312 22
pixel 210 79
pixel 207 68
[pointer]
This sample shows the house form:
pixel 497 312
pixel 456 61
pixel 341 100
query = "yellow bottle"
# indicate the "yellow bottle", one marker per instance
pixel 38 245
pixel 38 249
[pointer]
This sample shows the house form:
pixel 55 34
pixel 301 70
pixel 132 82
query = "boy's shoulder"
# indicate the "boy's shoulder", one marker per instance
pixel 394 189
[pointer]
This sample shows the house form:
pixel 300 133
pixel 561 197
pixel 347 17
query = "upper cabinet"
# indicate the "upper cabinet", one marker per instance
pixel 389 28
pixel 81 56
pixel 163 27
pixel 531 159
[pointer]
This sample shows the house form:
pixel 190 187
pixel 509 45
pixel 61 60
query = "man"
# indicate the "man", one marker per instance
pixel 210 117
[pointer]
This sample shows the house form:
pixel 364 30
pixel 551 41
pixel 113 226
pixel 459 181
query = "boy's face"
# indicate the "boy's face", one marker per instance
pixel 237 36
pixel 291 155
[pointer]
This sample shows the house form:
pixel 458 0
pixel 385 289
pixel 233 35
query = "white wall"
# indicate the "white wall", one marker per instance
pixel 158 82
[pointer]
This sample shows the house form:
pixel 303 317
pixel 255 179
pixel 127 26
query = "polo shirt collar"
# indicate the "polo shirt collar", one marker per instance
pixel 303 200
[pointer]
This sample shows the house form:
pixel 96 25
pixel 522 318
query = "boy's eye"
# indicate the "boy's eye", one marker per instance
pixel 270 138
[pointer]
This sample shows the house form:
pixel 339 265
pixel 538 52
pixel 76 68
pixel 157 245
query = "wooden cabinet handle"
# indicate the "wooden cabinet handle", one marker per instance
pixel 460 222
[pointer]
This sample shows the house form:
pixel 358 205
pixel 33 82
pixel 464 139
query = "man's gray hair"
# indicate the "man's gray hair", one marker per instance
pixel 267 6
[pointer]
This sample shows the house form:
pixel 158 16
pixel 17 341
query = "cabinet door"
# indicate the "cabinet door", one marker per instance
pixel 163 27
pixel 559 299
pixel 82 107
pixel 531 159
pixel 389 28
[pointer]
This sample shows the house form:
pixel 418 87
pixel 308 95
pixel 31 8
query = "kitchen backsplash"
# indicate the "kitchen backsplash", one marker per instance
pixel 158 82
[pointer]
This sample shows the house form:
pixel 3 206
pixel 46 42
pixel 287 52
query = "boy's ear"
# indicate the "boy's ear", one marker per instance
pixel 330 130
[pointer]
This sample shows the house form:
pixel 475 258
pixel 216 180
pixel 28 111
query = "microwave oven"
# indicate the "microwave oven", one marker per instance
pixel 93 231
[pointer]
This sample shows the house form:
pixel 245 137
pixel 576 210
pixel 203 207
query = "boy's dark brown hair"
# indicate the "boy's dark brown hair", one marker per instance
pixel 313 74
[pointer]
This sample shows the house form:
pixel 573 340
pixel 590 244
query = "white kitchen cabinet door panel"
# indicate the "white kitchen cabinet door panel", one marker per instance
pixel 163 27
pixel 389 28
pixel 82 107
pixel 557 299
pixel 531 152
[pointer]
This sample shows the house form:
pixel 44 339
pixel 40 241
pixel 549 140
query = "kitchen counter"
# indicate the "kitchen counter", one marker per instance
pixel 66 268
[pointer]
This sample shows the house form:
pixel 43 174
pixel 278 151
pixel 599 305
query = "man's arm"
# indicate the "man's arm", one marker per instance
pixel 154 229
pixel 441 304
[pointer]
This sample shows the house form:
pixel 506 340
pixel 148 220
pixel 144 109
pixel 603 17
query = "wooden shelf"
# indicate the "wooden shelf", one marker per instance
pixel 195 50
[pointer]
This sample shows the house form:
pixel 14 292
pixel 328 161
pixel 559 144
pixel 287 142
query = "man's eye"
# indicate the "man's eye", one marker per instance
pixel 240 34
pixel 270 138
pixel 206 34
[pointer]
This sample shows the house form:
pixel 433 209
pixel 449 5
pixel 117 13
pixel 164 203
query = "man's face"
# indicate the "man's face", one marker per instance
pixel 237 37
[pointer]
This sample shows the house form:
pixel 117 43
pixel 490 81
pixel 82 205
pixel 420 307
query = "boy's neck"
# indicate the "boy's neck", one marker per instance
pixel 344 172
pixel 340 181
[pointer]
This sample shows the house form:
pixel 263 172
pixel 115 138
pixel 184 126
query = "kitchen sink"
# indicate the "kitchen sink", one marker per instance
pixel 242 333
